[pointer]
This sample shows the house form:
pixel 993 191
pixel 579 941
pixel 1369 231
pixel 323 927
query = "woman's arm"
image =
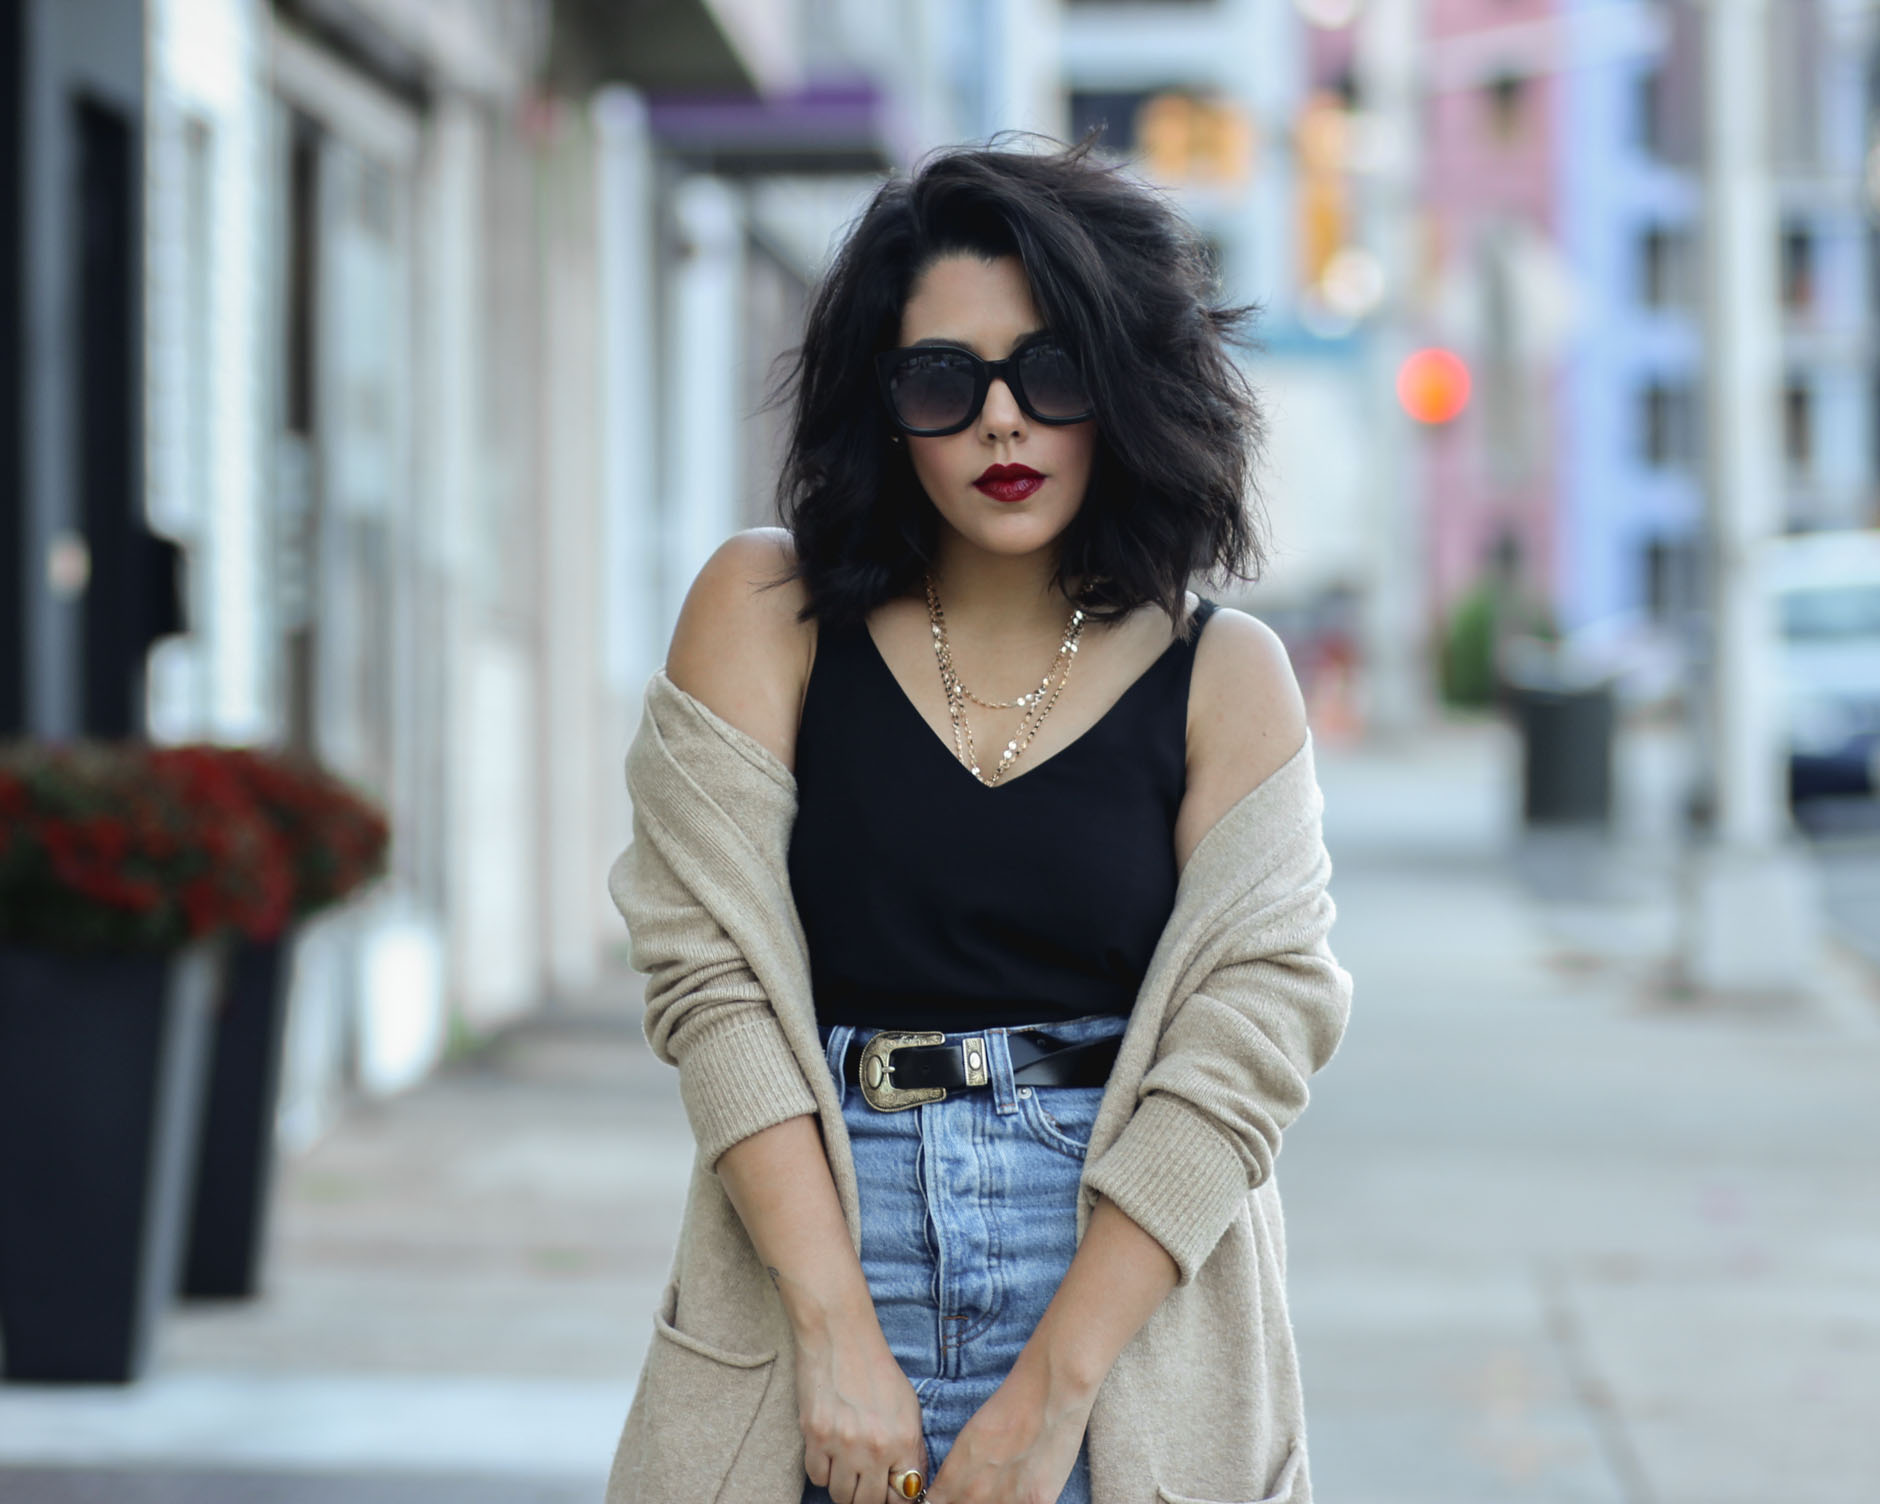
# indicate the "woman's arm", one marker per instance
pixel 1246 718
pixel 857 1411
pixel 779 1182
pixel 740 650
pixel 1116 1280
pixel 738 647
pixel 1022 1442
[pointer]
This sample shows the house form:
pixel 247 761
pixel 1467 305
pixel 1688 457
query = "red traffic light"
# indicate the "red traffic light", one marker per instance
pixel 1433 385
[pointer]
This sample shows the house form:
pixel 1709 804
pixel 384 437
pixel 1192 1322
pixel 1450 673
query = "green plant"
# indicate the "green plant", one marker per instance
pixel 1484 618
pixel 1468 657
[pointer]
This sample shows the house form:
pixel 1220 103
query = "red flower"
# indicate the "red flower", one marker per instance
pixel 119 844
pixel 200 903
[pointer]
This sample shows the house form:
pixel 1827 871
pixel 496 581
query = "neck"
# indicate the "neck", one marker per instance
pixel 1003 596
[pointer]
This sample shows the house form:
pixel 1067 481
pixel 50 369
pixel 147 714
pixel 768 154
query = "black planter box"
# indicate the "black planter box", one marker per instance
pixel 101 1066
pixel 235 1164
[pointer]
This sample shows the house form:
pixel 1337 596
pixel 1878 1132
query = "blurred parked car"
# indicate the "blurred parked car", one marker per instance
pixel 1827 597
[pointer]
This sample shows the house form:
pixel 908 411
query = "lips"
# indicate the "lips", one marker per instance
pixel 1009 482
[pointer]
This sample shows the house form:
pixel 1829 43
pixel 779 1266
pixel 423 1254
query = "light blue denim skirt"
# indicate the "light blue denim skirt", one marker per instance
pixel 969 1221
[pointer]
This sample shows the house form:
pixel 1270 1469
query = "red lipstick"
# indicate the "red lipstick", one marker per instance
pixel 1009 482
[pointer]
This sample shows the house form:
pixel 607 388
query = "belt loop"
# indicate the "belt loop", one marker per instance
pixel 834 1050
pixel 999 1062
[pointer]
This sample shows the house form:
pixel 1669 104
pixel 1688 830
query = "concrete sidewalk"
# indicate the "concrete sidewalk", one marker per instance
pixel 459 1295
pixel 1556 1234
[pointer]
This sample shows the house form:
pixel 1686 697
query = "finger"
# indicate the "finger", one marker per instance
pixel 851 1486
pixel 916 1454
pixel 896 1488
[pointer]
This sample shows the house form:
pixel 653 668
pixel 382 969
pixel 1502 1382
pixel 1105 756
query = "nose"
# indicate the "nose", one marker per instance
pixel 1001 416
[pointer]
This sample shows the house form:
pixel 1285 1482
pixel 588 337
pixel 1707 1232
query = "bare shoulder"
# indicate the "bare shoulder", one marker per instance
pixel 738 645
pixel 1246 718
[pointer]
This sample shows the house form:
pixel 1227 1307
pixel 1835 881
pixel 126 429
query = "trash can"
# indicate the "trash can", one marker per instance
pixel 1566 748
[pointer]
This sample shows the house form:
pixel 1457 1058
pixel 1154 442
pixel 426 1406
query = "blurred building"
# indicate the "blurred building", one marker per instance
pixel 1631 537
pixel 1553 241
pixel 375 381
pixel 87 583
pixel 1633 386
pixel 1215 100
pixel 1497 148
pixel 434 338
pixel 1564 194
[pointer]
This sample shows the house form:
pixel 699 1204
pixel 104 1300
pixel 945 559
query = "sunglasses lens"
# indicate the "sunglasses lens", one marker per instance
pixel 933 389
pixel 1053 383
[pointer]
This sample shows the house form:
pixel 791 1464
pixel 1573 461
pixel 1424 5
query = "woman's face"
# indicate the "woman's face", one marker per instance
pixel 986 307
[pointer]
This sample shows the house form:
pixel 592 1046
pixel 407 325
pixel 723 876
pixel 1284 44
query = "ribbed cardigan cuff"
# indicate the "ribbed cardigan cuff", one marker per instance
pixel 1176 1176
pixel 740 1077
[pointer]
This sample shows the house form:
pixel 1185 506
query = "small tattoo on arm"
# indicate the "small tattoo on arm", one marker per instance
pixel 775 1278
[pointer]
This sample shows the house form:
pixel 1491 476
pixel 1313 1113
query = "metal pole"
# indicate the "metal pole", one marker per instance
pixel 1750 910
pixel 1389 84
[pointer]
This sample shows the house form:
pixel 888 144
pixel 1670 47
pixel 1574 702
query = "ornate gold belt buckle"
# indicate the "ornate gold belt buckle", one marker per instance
pixel 877 1073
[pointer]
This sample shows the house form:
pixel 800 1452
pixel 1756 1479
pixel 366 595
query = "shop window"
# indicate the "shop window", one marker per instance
pixel 1668 413
pixel 1651 112
pixel 1114 110
pixel 1798 268
pixel 1671 578
pixel 1798 425
pixel 1666 278
pixel 1507 105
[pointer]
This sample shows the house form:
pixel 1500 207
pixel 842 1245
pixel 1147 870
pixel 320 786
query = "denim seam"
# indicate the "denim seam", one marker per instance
pixel 999 1070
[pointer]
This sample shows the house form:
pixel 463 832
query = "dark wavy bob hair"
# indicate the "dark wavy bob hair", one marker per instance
pixel 1126 284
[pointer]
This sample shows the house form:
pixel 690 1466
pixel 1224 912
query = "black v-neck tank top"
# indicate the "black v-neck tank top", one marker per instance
pixel 932 901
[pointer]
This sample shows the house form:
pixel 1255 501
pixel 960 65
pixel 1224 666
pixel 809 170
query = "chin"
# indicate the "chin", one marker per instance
pixel 1013 534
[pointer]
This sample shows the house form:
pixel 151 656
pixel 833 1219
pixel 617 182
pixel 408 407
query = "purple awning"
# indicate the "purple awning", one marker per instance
pixel 827 127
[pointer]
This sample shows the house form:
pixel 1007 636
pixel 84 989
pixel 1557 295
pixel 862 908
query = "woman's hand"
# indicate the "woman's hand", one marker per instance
pixel 1020 1446
pixel 859 1413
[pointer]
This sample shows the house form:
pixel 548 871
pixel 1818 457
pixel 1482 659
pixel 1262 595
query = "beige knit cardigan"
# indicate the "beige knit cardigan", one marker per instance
pixel 1241 1003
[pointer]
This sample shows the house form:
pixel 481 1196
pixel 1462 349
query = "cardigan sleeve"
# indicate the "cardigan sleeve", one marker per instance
pixel 706 1012
pixel 1230 1067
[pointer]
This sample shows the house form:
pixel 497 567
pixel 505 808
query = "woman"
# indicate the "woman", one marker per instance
pixel 978 881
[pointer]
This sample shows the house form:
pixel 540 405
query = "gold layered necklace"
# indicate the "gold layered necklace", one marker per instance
pixel 1036 703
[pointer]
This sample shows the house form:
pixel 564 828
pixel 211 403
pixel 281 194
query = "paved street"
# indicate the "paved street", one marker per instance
pixel 1557 1233
pixel 1850 882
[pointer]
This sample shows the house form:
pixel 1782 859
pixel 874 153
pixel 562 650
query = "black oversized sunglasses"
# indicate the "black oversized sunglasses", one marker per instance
pixel 939 389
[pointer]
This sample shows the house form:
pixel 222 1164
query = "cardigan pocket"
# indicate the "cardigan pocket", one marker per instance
pixel 700 1401
pixel 1288 1488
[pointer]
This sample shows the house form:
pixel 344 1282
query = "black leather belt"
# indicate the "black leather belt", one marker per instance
pixel 897 1069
